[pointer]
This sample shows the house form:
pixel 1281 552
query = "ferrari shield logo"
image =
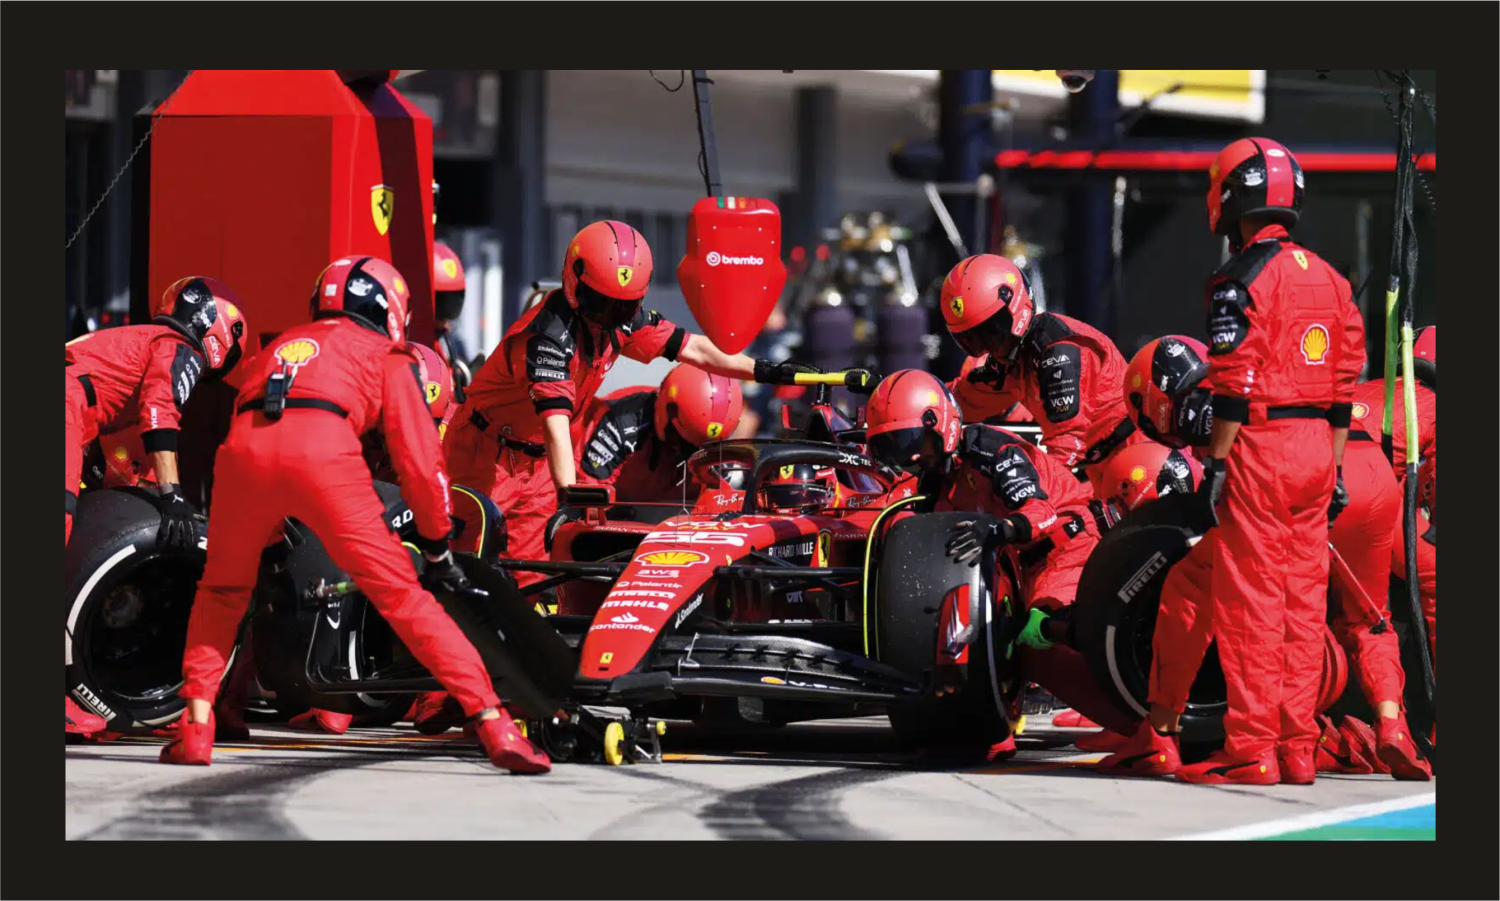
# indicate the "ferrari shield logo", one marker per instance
pixel 606 657
pixel 433 390
pixel 957 306
pixel 382 203
pixel 1300 257
pixel 825 548
pixel 624 273
pixel 715 429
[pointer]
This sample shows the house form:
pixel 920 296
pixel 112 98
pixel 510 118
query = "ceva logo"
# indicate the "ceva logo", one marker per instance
pixel 714 258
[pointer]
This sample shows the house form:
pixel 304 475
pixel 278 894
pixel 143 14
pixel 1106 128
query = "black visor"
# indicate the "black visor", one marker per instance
pixel 991 336
pixel 897 448
pixel 603 311
pixel 796 496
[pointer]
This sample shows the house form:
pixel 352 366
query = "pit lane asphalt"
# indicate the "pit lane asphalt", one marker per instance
pixel 827 780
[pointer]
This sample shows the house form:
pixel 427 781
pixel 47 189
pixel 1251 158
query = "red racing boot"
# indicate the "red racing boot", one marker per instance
pixel 1103 741
pixel 424 706
pixel 1147 753
pixel 1221 769
pixel 194 744
pixel 1362 742
pixel 439 715
pixel 1396 750
pixel 1001 750
pixel 508 749
pixel 1334 755
pixel 77 721
pixel 1072 719
pixel 318 720
pixel 1297 767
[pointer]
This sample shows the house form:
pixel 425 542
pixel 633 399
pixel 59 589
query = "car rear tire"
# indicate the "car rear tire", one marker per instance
pixel 914 575
pixel 126 608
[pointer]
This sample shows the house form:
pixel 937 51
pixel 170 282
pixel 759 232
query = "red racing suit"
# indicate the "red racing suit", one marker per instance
pixel 1369 408
pixel 308 465
pixel 550 361
pixel 1004 475
pixel 1286 347
pixel 141 375
pixel 617 445
pixel 1071 378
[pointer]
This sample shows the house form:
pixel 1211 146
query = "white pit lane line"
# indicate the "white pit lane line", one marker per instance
pixel 1311 820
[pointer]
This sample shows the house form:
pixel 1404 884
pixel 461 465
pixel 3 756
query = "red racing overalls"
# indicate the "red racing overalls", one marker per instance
pixel 308 465
pixel 142 375
pixel 1071 378
pixel 549 360
pixel 1286 347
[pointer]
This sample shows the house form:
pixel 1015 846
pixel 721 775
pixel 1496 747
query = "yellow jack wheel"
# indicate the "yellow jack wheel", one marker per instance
pixel 1020 726
pixel 614 740
pixel 661 727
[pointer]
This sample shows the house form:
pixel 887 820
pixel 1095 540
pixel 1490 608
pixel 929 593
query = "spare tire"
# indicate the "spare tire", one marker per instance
pixel 126 607
pixel 914 576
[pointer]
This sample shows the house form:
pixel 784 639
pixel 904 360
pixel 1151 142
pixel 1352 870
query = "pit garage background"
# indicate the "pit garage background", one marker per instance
pixel 1118 236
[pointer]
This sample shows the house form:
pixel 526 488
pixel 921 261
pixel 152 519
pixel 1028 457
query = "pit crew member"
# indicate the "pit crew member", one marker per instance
pixel 294 450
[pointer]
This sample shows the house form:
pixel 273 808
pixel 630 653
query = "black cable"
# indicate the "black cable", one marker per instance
pixel 681 80
pixel 1385 98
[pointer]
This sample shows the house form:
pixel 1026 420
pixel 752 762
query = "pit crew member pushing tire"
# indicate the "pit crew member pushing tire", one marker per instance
pixel 1022 498
pixel 294 450
pixel 143 375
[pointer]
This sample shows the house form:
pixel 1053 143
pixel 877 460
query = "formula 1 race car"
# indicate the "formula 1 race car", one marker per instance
pixel 726 610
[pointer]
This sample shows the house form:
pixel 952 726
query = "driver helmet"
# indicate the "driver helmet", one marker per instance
pixel 1162 390
pixel 1145 471
pixel 987 305
pixel 908 409
pixel 799 488
pixel 606 273
pixel 207 313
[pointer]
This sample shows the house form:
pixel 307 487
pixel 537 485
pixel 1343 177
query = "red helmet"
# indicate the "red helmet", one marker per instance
pixel 1146 470
pixel 905 408
pixel 366 289
pixel 699 406
pixel 437 379
pixel 607 272
pixel 1159 377
pixel 798 488
pixel 1253 176
pixel 207 313
pixel 988 307
pixel 1424 344
pixel 126 462
pixel 447 283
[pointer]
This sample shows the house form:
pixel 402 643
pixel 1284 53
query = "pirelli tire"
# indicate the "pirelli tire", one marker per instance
pixel 914 574
pixel 126 608
pixel 1114 618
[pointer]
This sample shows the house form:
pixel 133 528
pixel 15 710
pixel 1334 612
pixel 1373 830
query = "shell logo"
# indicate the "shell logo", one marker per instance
pixel 450 268
pixel 121 454
pixel 932 399
pixel 715 429
pixel 297 353
pixel 400 286
pixel 1137 473
pixel 957 306
pixel 1361 411
pixel 232 311
pixel 1010 279
pixel 1135 380
pixel 672 558
pixel 1315 345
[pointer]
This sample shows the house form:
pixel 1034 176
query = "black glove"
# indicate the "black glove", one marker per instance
pixel 975 536
pixel 442 573
pixel 768 373
pixel 432 547
pixel 861 381
pixel 177 517
pixel 1211 489
pixel 556 521
pixel 1340 498
pixel 990 374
